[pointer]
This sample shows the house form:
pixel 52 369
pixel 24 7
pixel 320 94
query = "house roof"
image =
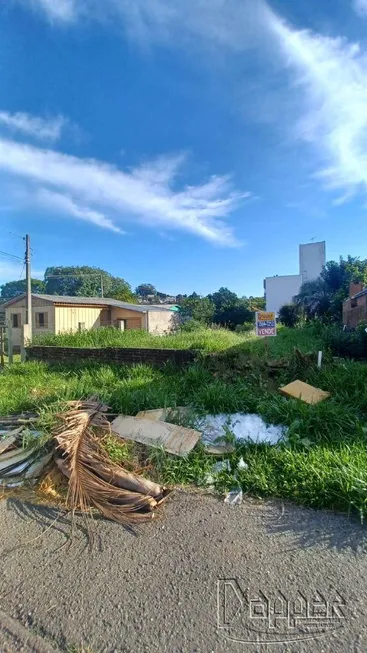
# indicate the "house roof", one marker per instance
pixel 91 301
pixel 360 293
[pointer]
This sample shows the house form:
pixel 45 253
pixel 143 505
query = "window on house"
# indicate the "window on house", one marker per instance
pixel 16 320
pixel 353 303
pixel 41 320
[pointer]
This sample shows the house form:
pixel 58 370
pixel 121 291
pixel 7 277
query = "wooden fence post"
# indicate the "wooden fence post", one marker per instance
pixel 10 344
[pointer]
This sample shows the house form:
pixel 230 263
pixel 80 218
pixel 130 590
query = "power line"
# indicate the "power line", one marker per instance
pixel 21 274
pixel 16 235
pixel 86 274
pixel 11 256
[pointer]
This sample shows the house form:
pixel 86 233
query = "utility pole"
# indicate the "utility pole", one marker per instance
pixel 28 318
pixel 102 285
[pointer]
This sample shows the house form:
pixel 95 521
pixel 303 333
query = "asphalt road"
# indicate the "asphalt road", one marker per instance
pixel 207 578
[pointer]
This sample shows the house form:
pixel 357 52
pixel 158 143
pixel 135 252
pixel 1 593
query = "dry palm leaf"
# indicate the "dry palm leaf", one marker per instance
pixel 93 478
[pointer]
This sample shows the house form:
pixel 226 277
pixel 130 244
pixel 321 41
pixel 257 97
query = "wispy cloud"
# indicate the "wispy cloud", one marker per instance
pixel 64 204
pixel 229 23
pixel 104 194
pixel 330 74
pixel 360 7
pixel 232 24
pixel 64 11
pixel 46 129
pixel 327 96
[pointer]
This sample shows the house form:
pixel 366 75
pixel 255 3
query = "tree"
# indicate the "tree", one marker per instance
pixel 232 315
pixel 314 299
pixel 197 308
pixel 85 281
pixel 337 277
pixel 15 288
pixel 256 303
pixel 145 289
pixel 230 310
pixel 289 315
pixel 323 298
pixel 223 298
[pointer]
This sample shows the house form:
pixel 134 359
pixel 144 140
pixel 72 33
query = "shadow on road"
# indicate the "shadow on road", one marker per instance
pixel 309 528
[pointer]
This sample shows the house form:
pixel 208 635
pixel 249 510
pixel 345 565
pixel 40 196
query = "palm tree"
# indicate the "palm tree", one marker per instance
pixel 313 298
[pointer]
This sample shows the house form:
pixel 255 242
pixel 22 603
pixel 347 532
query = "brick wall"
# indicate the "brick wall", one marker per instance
pixel 354 311
pixel 156 357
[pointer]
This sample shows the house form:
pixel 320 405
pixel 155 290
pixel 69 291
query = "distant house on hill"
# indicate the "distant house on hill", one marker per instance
pixel 355 307
pixel 57 314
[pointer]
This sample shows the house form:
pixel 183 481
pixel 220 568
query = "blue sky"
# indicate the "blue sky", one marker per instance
pixel 189 144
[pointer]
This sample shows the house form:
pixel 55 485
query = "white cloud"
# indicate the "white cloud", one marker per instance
pixel 229 23
pixel 48 129
pixel 330 77
pixel 56 10
pixel 10 271
pixel 360 7
pixel 64 204
pixel 91 189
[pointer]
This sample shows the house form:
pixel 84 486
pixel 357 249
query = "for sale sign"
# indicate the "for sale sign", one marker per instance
pixel 266 324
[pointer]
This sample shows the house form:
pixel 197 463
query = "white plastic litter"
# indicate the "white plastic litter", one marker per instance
pixel 221 466
pixel 209 480
pixel 241 464
pixel 234 497
pixel 244 426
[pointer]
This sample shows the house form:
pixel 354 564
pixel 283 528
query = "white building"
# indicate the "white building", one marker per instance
pixel 312 258
pixel 280 290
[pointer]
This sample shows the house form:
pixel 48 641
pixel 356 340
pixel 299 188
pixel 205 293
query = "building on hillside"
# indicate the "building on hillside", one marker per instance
pixel 355 307
pixel 280 290
pixel 58 314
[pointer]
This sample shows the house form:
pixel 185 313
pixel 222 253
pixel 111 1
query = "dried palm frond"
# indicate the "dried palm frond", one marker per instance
pixel 94 481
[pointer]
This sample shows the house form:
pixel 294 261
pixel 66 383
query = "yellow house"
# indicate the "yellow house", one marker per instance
pixel 57 314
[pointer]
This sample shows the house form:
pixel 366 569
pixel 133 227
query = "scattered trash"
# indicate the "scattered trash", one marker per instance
pixel 8 442
pixel 243 426
pixel 177 440
pixel 221 466
pixel 234 497
pixel 305 392
pixel 19 463
pixel 94 480
pixel 306 442
pixel 241 464
pixel 165 414
pixel 220 449
pixel 209 480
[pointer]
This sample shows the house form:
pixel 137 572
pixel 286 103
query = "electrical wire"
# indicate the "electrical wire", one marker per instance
pixel 22 272
pixel 11 256
pixel 16 235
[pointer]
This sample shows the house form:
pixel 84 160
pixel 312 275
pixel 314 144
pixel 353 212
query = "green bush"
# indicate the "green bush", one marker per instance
pixel 346 344
pixel 247 327
pixel 289 315
pixel 191 325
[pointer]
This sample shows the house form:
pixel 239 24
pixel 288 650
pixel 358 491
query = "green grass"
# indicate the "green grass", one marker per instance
pixel 205 340
pixel 202 339
pixel 323 464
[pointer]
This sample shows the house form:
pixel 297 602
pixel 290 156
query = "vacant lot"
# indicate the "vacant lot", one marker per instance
pixel 322 464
